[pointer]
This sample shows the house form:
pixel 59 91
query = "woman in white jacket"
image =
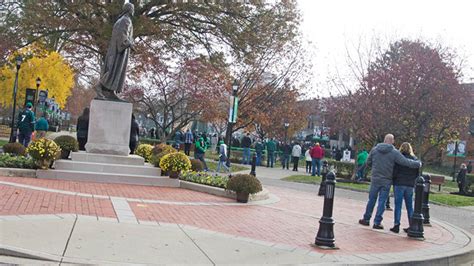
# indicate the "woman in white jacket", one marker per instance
pixel 309 160
pixel 296 153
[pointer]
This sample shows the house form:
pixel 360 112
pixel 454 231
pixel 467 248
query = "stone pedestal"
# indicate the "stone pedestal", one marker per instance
pixel 109 127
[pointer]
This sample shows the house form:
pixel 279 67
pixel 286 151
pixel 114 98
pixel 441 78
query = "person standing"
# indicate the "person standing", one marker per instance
pixel 259 151
pixel 361 160
pixel 296 154
pixel 469 167
pixel 41 127
pixel 317 154
pixel 307 156
pixel 461 180
pixel 403 186
pixel 134 132
pixel 271 147
pixel 188 141
pixel 285 155
pixel 82 128
pixel 382 159
pixel 222 157
pixel 246 143
pixel 26 125
pixel 200 151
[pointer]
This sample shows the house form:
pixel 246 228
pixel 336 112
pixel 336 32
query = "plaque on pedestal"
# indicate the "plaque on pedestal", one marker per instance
pixel 109 127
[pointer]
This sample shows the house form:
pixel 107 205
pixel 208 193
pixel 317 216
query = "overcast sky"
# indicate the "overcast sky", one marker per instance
pixel 332 24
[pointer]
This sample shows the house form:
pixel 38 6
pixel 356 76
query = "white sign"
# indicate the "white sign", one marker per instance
pixel 346 157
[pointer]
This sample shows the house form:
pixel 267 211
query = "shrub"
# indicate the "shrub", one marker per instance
pixel 196 165
pixel 43 151
pixel 176 161
pixel 205 179
pixel 145 151
pixel 159 151
pixel 14 148
pixel 343 169
pixel 67 143
pixel 470 183
pixel 242 183
pixel 13 161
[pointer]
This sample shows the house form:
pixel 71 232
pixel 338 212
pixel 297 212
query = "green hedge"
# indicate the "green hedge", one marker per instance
pixel 12 161
pixel 470 183
pixel 344 169
pixel 205 179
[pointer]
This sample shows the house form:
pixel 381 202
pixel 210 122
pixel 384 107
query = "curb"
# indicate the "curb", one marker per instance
pixel 262 195
pixel 18 172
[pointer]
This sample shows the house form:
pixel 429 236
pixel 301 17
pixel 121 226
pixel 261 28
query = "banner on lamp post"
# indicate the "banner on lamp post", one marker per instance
pixel 233 107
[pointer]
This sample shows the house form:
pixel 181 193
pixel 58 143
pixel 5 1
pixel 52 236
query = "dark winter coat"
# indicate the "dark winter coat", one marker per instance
pixel 246 142
pixel 405 176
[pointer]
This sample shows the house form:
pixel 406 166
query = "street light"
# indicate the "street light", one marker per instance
pixel 286 130
pixel 38 83
pixel 18 60
pixel 232 117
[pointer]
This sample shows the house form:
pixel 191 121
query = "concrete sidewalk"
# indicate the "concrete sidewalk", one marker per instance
pixel 67 238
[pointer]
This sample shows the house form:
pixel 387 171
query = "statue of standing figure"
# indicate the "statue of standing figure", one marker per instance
pixel 112 75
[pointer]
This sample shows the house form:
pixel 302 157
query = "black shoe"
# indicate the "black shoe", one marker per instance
pixel 388 208
pixel 364 222
pixel 378 226
pixel 406 229
pixel 395 229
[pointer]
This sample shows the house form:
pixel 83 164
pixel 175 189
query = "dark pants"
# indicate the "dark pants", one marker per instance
pixel 270 159
pixel 24 138
pixel 82 143
pixel 308 166
pixel 187 148
pixel 200 157
pixel 295 163
pixel 132 146
pixel 285 161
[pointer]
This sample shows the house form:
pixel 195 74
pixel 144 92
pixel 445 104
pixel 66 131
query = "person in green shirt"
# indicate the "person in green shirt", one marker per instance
pixel 26 125
pixel 200 151
pixel 361 160
pixel 271 147
pixel 41 127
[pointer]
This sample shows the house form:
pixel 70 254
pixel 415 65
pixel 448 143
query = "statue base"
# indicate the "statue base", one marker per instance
pixel 109 127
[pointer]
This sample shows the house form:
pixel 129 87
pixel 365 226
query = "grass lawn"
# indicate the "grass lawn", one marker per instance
pixel 233 168
pixel 443 198
pixel 3 142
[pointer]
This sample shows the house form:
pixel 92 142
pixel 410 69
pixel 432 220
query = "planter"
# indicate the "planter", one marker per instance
pixel 43 164
pixel 242 197
pixel 174 174
pixel 65 154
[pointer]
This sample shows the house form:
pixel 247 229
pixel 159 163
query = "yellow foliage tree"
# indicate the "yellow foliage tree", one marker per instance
pixel 56 76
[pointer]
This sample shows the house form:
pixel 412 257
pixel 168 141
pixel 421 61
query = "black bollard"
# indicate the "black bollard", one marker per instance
pixel 416 223
pixel 254 164
pixel 325 236
pixel 324 172
pixel 425 207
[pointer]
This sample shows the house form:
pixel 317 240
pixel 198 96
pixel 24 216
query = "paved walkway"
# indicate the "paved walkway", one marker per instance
pixel 100 223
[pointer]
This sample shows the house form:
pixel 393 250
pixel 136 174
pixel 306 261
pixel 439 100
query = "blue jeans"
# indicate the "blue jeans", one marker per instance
pixel 285 161
pixel 270 159
pixel 222 163
pixel 403 193
pixel 316 163
pixel 381 192
pixel 259 158
pixel 24 139
pixel 360 171
pixel 246 156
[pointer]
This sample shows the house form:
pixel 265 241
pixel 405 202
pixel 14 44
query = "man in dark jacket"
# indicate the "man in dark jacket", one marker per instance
pixel 259 150
pixel 246 143
pixel 134 132
pixel 82 128
pixel 26 125
pixel 271 148
pixel 285 155
pixel 382 159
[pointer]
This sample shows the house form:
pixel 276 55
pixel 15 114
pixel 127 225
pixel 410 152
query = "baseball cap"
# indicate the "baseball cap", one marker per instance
pixel 29 105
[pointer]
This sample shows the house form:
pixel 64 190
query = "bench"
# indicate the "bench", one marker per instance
pixel 437 180
pixel 4 131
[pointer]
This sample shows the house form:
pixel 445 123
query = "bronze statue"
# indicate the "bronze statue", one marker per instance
pixel 112 75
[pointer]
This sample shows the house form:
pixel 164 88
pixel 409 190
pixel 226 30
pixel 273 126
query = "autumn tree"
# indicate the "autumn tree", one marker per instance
pixel 411 90
pixel 174 96
pixel 55 73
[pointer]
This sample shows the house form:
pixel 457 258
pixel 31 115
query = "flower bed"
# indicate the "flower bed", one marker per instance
pixel 12 161
pixel 205 179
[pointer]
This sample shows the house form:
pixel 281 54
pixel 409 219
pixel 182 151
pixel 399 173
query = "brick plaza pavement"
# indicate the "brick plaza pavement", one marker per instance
pixel 292 221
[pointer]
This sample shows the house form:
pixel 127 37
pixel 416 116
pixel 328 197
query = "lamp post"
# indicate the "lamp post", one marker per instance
pixel 18 60
pixel 38 83
pixel 286 130
pixel 232 118
pixel 456 143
